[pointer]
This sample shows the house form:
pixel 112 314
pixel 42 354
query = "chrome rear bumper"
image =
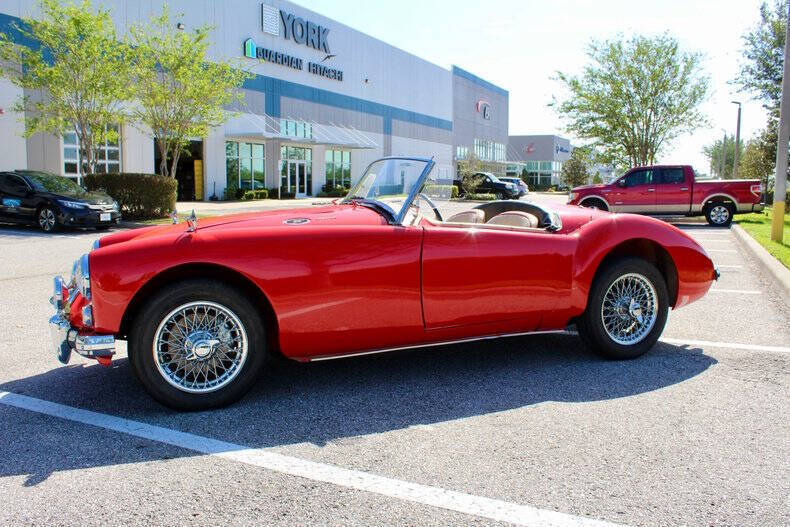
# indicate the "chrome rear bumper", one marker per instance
pixel 66 338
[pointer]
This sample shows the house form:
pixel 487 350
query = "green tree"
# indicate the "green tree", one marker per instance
pixel 179 92
pixel 574 170
pixel 634 97
pixel 759 158
pixel 74 79
pixel 763 57
pixel 713 153
pixel 468 170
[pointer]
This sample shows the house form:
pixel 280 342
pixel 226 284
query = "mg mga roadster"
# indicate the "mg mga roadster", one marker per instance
pixel 204 307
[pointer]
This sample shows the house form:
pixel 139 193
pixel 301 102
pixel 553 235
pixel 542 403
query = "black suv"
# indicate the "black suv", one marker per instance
pixel 51 202
pixel 490 184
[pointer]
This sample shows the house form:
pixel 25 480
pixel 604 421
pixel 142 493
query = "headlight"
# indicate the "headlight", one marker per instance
pixel 511 186
pixel 115 206
pixel 82 277
pixel 73 204
pixel 572 196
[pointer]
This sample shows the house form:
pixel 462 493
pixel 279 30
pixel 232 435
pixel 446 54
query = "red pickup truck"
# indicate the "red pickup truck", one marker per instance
pixel 672 190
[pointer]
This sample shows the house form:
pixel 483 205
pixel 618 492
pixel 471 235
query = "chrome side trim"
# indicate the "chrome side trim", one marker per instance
pixel 434 344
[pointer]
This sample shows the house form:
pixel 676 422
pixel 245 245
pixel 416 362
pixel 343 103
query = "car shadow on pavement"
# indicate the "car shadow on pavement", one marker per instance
pixel 326 401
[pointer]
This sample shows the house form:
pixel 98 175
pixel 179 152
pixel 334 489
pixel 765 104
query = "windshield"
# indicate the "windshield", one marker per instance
pixel 389 183
pixel 44 182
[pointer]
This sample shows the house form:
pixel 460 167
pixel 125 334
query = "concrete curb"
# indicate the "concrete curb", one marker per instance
pixel 771 265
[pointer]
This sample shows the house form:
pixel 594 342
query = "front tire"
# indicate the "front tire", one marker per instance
pixel 719 214
pixel 47 219
pixel 627 309
pixel 197 344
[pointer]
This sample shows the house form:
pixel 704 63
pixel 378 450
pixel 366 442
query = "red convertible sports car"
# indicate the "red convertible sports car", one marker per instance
pixel 204 307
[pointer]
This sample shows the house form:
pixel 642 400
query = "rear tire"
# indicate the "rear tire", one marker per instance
pixel 197 344
pixel 719 214
pixel 626 311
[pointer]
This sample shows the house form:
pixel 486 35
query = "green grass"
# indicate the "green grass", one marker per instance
pixel 758 225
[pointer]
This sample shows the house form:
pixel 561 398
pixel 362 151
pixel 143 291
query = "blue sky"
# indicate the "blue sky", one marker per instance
pixel 519 45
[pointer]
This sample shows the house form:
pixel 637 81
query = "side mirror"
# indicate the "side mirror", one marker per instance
pixel 621 183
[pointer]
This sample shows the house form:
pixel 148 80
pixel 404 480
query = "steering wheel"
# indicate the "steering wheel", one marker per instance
pixel 431 204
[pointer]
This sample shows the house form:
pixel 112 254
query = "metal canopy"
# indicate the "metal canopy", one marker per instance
pixel 257 127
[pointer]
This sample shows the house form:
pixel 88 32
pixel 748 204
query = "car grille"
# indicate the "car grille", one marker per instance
pixel 102 208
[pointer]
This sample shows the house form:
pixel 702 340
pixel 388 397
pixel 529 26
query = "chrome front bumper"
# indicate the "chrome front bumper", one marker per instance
pixel 66 338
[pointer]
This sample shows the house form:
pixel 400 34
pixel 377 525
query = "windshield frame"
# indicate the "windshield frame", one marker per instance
pixel 398 216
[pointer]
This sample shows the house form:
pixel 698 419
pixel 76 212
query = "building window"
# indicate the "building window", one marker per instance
pixel 108 155
pixel 489 151
pixel 461 153
pixel 245 167
pixel 298 129
pixel 338 169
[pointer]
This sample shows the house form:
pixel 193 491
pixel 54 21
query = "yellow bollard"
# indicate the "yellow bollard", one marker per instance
pixel 777 223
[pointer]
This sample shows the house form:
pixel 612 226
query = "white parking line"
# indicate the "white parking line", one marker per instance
pixel 729 266
pixel 721 250
pixel 493 509
pixel 729 345
pixel 738 291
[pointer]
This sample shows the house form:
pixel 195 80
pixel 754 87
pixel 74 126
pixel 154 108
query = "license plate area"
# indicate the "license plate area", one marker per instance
pixel 105 216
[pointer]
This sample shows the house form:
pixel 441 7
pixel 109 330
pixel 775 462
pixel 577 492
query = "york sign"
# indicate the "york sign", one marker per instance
pixel 295 28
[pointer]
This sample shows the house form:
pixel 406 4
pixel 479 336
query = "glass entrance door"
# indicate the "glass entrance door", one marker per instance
pixel 297 177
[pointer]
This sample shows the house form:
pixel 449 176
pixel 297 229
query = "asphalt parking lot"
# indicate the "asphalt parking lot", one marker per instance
pixel 533 430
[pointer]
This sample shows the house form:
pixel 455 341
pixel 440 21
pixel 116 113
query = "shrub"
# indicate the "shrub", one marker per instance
pixel 328 191
pixel 283 193
pixel 248 195
pixel 139 196
pixel 441 191
pixel 481 197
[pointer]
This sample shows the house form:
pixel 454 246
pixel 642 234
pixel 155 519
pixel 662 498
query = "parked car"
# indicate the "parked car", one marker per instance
pixel 523 189
pixel 491 184
pixel 52 202
pixel 203 307
pixel 673 190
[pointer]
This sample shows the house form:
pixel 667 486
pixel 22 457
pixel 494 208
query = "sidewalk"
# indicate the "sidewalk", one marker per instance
pixel 218 208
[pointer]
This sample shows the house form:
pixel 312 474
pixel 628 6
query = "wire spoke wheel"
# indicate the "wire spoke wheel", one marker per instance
pixel 200 347
pixel 630 309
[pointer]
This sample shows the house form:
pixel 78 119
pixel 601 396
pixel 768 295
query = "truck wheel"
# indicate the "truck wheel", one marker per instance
pixel 719 214
pixel 197 344
pixel 500 196
pixel 626 310
pixel 594 204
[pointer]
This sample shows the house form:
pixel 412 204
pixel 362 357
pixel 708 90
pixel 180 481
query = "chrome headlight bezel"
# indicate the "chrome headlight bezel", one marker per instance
pixel 80 276
pixel 72 204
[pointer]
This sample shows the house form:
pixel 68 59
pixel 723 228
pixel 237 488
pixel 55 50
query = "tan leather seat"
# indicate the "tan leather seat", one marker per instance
pixel 467 216
pixel 514 218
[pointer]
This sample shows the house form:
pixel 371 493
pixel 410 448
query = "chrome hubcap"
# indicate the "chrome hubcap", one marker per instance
pixel 719 214
pixel 630 309
pixel 200 347
pixel 46 219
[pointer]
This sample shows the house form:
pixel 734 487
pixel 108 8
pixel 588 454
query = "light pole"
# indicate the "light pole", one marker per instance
pixel 737 142
pixel 722 154
pixel 780 185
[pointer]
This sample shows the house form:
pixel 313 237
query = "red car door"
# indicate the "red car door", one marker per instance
pixel 674 192
pixel 475 278
pixel 639 192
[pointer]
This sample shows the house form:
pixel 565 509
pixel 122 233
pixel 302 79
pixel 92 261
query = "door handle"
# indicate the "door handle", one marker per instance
pixel 684 188
pixel 651 190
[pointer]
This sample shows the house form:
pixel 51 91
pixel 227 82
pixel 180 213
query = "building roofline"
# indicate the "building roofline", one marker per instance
pixel 479 81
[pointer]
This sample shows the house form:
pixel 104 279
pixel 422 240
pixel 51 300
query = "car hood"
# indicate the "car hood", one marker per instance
pixel 286 219
pixel 588 187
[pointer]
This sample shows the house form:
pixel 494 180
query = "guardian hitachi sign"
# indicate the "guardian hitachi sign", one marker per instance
pixel 294 28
